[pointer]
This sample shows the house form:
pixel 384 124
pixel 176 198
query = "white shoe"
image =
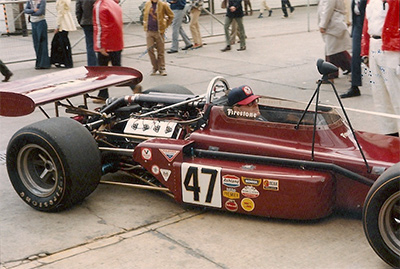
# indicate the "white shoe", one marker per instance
pixel 163 72
pixel 154 72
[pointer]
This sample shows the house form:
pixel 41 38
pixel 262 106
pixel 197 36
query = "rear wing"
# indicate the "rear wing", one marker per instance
pixel 20 97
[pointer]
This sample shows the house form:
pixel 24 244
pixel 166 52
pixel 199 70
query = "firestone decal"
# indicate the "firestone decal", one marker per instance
pixel 247 204
pixel 251 181
pixel 169 154
pixel 146 154
pixel 250 192
pixel 231 181
pixel 231 205
pixel 271 184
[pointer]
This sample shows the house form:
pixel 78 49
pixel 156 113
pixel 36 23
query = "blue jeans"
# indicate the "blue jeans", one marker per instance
pixel 39 36
pixel 91 55
pixel 177 29
pixel 356 58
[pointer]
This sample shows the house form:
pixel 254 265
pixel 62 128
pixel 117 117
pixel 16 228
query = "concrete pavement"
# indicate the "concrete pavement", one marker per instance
pixel 128 228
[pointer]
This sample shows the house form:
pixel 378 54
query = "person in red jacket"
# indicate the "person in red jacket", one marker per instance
pixel 107 35
pixel 380 48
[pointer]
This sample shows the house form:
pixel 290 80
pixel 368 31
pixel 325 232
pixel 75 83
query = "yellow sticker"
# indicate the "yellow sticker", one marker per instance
pixel 231 194
pixel 247 204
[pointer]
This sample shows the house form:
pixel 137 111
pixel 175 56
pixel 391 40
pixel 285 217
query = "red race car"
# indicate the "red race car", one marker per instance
pixel 295 163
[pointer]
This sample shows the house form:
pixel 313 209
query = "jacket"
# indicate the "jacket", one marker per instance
pixel 38 15
pixel 65 22
pixel 107 26
pixel 164 16
pixel 390 31
pixel 84 11
pixel 238 13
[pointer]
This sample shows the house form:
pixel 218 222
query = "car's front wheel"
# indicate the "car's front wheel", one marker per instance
pixel 381 216
pixel 53 164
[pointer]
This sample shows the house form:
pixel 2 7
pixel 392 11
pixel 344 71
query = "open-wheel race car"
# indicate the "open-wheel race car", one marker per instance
pixel 295 164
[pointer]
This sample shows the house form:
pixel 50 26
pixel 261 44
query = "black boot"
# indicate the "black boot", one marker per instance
pixel 352 92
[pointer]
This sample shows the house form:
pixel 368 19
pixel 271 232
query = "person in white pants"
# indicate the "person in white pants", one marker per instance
pixel 381 47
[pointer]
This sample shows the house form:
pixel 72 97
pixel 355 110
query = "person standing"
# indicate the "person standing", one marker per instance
pixel 333 28
pixel 84 16
pixel 286 4
pixel 36 9
pixel 5 72
pixel 380 44
pixel 157 16
pixel 108 35
pixel 61 55
pixel 196 7
pixel 357 14
pixel 177 7
pixel 234 12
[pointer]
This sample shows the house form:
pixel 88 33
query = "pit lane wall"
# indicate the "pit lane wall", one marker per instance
pixel 12 19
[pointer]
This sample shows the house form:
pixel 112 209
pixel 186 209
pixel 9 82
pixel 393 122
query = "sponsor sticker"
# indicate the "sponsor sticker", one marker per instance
pixel 146 154
pixel 247 204
pixel 165 173
pixel 271 184
pixel 231 194
pixel 250 192
pixel 169 154
pixel 231 205
pixel 155 169
pixel 231 181
pixel 251 181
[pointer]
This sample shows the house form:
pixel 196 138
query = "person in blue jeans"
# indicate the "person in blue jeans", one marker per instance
pixel 177 7
pixel 36 9
pixel 84 16
pixel 358 14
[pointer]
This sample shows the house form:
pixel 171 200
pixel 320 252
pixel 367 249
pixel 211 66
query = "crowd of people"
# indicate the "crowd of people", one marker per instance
pixel 374 38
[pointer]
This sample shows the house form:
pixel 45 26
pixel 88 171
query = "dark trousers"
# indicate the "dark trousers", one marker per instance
pixel 341 60
pixel 39 36
pixel 356 58
pixel 285 4
pixel 91 55
pixel 4 69
pixel 115 58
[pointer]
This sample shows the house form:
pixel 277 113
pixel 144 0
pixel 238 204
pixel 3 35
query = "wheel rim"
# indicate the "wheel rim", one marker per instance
pixel 37 170
pixel 389 222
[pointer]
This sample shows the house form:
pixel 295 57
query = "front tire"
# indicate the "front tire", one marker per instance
pixel 53 164
pixel 381 216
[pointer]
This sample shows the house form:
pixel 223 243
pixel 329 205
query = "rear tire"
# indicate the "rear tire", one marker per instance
pixel 53 164
pixel 381 216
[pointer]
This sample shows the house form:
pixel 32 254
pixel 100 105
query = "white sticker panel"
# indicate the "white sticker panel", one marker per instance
pixel 201 185
pixel 150 127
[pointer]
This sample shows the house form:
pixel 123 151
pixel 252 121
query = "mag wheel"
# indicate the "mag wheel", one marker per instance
pixel 53 164
pixel 381 216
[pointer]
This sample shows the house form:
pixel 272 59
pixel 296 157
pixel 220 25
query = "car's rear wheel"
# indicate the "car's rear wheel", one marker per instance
pixel 53 164
pixel 381 216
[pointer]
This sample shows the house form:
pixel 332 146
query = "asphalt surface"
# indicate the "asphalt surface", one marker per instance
pixel 118 227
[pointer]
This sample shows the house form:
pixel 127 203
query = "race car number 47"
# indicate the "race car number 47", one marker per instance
pixel 201 185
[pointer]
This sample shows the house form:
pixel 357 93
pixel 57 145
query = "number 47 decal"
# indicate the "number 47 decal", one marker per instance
pixel 201 185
